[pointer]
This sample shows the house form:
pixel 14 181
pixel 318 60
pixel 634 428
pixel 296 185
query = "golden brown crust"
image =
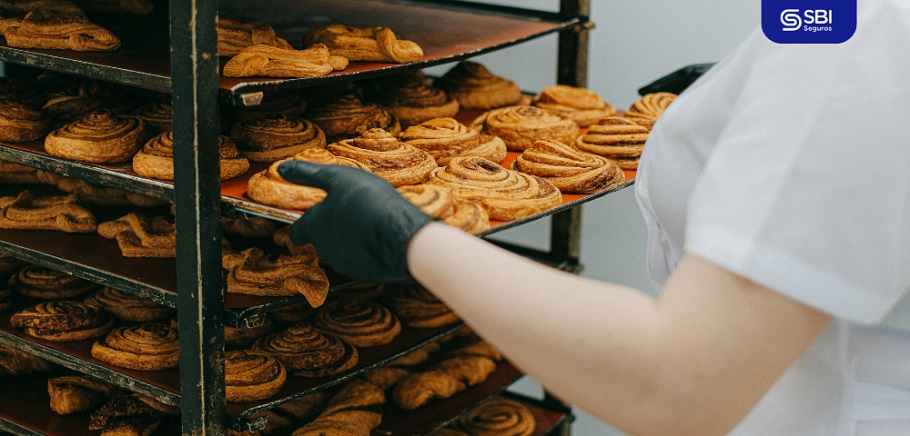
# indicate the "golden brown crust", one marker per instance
pixel 347 117
pixel 156 158
pixel 34 281
pixel 413 100
pixel 268 61
pixel 387 157
pixel 651 105
pixel 497 416
pixel 74 394
pixel 617 139
pixel 365 44
pixel 234 36
pixel 251 375
pixel 568 169
pixel 461 368
pixel 27 211
pixel 140 236
pixel 475 87
pixel 17 362
pixel 62 321
pixel 158 115
pixel 276 136
pixel 143 347
pixel 581 105
pixel 520 126
pixel 445 138
pixel 439 202
pixel 363 323
pixel 252 272
pixel 415 306
pixel 21 121
pixel 306 352
pixel 129 307
pixel 356 409
pixel 100 137
pixel 53 28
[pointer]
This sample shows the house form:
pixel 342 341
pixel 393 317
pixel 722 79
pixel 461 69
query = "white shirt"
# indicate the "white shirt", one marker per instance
pixel 790 165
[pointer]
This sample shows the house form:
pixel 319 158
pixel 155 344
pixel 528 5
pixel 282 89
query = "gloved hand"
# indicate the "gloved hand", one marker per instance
pixel 363 227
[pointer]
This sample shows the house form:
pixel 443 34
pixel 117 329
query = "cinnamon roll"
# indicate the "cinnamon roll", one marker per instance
pixel 416 306
pixel 62 321
pixel 34 281
pixel 505 195
pixel 581 105
pixel 158 115
pixel 520 126
pixel 143 347
pixel 100 137
pixel 60 212
pixel 251 376
pixel 129 307
pixel 103 196
pixel 365 44
pixel 276 136
pixel 439 202
pixel 21 121
pixel 347 117
pixel 363 323
pixel 475 87
pixel 649 107
pixel 234 36
pixel 156 158
pixel 56 28
pixel 74 394
pixel 568 169
pixel 617 139
pixel 140 236
pixel 306 352
pixel 387 157
pixel 445 138
pixel 413 100
pixel 497 416
pixel 252 272
pixel 268 61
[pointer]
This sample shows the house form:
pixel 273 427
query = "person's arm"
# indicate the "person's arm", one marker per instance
pixel 694 360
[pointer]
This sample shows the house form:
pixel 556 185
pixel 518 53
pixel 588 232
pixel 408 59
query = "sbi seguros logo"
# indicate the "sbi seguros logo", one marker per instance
pixel 808 21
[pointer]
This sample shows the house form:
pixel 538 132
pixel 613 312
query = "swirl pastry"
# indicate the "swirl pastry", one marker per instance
pixel 158 115
pixel 306 352
pixel 55 28
pixel 268 61
pixel 251 375
pixel 413 100
pixel 415 306
pixel 577 104
pixel 497 416
pixel 103 196
pixel 439 202
pixel 140 236
pixel 648 108
pixel 156 158
pixel 475 87
pixel 143 347
pixel 234 36
pixel 268 187
pixel 62 321
pixel 347 117
pixel 20 174
pixel 21 121
pixel 276 136
pixel 129 307
pixel 74 394
pixel 356 409
pixel 568 169
pixel 100 137
pixel 520 126
pixel 445 138
pixel 35 281
pixel 365 44
pixel 16 362
pixel 387 157
pixel 252 272
pixel 617 139
pixel 27 211
pixel 505 195
pixel 363 323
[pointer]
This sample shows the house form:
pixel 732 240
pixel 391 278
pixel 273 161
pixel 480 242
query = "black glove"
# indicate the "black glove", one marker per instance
pixel 363 227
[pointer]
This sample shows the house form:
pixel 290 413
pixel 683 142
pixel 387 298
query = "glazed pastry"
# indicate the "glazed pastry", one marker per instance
pixel 252 227
pixel 251 376
pixel 143 347
pixel 244 337
pixel 413 100
pixel 475 87
pixel 520 126
pixel 497 416
pixel 439 202
pixel 124 415
pixel 103 196
pixel 286 103
pixel 365 44
pixel 415 306
pixel 62 321
pixel 132 7
pixel 27 211
pixel 387 157
pixel 158 115
pixel 156 158
pixel 52 28
pixel 356 409
pixel 252 272
pixel 129 307
pixel 141 236
pixel 306 352
pixel 16 173
pixel 35 281
pixel 363 323
pixel 268 61
pixel 74 394
pixel 577 104
pixel 445 138
pixel 568 169
pixel 347 117
pixel 505 195
pixel 617 139
pixel 100 137
pixel 234 36
pixel 16 362
pixel 649 107
pixel 276 136
pixel 21 121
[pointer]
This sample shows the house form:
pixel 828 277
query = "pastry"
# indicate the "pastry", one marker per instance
pixel 128 307
pixel 445 138
pixel 143 347
pixel 126 415
pixel 16 173
pixel 306 352
pixel 100 137
pixel 234 36
pixel 348 117
pixel 495 417
pixel 581 105
pixel 439 202
pixel 286 103
pixel 268 61
pixel 42 283
pixel 104 196
pixel 475 87
pixel 252 272
pixel 275 137
pixel 140 236
pixel 568 169
pixel 415 306
pixel 55 28
pixel 156 158
pixel 387 157
pixel 505 194
pixel 356 409
pixel 413 100
pixel 62 321
pixel 291 413
pixel 16 362
pixel 71 102
pixel 158 115
pixel 251 376
pixel 252 227
pixel 269 188
pixel 649 107
pixel 520 126
pixel 74 394
pixel 365 44
pixel 363 323
pixel 244 337
pixel 617 139
pixel 132 7
pixel 21 121
pixel 28 211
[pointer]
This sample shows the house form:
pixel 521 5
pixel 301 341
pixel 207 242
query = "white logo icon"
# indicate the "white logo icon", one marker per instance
pixel 791 20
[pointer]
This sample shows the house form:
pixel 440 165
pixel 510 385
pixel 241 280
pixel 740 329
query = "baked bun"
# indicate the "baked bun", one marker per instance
pixel 346 117
pixel 365 44
pixel 497 416
pixel 568 169
pixel 475 87
pixel 387 157
pixel 439 202
pixel 445 138
pixel 21 121
pixel 62 321
pixel 649 107
pixel 251 376
pixel 128 307
pixel 520 126
pixel 156 158
pixel 138 235
pixel 363 323
pixel 58 212
pixel 34 281
pixel 276 136
pixel 58 28
pixel 306 352
pixel 100 137
pixel 252 272
pixel 581 105
pixel 617 139
pixel 143 347
pixel 413 100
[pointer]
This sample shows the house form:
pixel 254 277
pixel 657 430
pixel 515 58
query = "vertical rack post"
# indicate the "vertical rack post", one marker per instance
pixel 194 72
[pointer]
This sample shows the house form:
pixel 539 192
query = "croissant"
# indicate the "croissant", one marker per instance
pixel 139 236
pixel 62 321
pixel 577 104
pixel 568 169
pixel 617 139
pixel 129 307
pixel 143 347
pixel 439 202
pixel 520 126
pixel 53 28
pixel 475 87
pixel 269 61
pixel 306 352
pixel 34 281
pixel 234 36
pixel 445 138
pixel 365 44
pixel 21 121
pixel 156 158
pixel 252 375
pixel 27 211
pixel 100 137
pixel 348 117
pixel 74 394
pixel 387 157
pixel 276 136
pixel 497 416
pixel 253 272
pixel 354 410
pixel 363 323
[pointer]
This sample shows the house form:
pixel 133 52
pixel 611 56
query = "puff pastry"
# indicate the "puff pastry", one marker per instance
pixel 74 394
pixel 520 126
pixel 445 138
pixel 363 323
pixel 252 272
pixel 568 169
pixel 158 115
pixel 130 415
pixel 475 87
pixel 348 117
pixel 365 44
pixel 276 136
pixel 505 194
pixel 356 409
pixel 581 105
pixel 415 306
pixel 387 157
pixel 62 321
pixel 617 139
pixel 268 61
pixel 439 202
pixel 156 158
pixel 100 137
pixel 649 107
pixel 129 307
pixel 497 416
pixel 143 347
pixel 251 375
pixel 34 281
pixel 234 36
pixel 413 100
pixel 57 28
pixel 306 352
pixel 140 236
pixel 27 211
pixel 16 362
pixel 103 196
pixel 21 121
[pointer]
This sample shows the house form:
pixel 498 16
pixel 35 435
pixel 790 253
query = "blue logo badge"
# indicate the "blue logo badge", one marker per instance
pixel 808 21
